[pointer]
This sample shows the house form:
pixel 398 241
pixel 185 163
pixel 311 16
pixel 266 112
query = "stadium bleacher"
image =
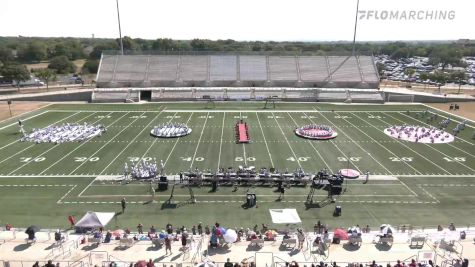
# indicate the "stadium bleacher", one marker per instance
pixel 236 71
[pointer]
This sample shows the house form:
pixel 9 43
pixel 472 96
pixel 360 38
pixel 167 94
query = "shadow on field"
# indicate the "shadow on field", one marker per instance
pixel 22 247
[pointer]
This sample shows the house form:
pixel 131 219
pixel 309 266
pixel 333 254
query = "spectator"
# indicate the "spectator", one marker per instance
pixel 200 229
pixel 193 230
pixel 373 264
pixel 301 238
pixel 140 229
pixel 398 264
pixel 108 237
pixel 168 245
pixel 457 263
pixel 452 226
pixel 123 204
pixel 169 228
pixel 50 264
pixel 37 264
pixel 207 231
pixel 440 228
pixel 57 264
pixel 57 236
pixel 228 263
pixel 236 265
pixel 71 220
pixel 150 263
pixel 184 237
pixel 413 263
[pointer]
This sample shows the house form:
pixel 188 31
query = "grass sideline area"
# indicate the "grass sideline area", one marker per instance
pixel 44 183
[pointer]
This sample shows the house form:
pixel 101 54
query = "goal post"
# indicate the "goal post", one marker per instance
pixel 406 98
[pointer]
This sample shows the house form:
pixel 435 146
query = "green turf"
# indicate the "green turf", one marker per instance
pixel 70 168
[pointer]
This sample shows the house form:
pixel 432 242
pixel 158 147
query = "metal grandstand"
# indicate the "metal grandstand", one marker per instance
pixel 233 70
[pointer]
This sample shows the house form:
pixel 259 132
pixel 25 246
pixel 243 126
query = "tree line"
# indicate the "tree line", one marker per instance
pixel 60 52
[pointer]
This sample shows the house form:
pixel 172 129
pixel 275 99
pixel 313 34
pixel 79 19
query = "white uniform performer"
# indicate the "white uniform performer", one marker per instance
pixel 162 167
pixel 22 131
pixel 126 171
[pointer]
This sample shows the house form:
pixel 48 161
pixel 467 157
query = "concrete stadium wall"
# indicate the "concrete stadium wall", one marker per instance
pixel 76 96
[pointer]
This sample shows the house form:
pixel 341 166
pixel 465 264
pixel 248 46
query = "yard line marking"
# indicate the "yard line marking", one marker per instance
pixel 392 153
pixel 28 118
pixel 85 188
pixel 470 154
pixel 54 146
pixel 17 153
pixel 400 142
pixel 108 142
pixel 311 143
pixel 265 141
pixel 221 142
pixel 243 144
pixel 67 193
pixel 155 139
pixel 429 194
pixel 285 137
pixel 176 142
pixel 16 141
pixel 199 140
pixel 76 148
pixel 408 188
pixel 131 142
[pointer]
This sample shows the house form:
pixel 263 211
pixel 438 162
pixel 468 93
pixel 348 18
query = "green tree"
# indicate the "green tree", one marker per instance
pixel 15 72
pixel 97 50
pixel 35 51
pixel 445 55
pixel 439 77
pixel 164 45
pixel 410 72
pixel 129 43
pixel 62 65
pixel 6 54
pixel 91 66
pixel 424 76
pixel 458 76
pixel 46 75
pixel 380 66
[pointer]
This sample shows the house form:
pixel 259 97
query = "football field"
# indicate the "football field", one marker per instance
pixel 410 183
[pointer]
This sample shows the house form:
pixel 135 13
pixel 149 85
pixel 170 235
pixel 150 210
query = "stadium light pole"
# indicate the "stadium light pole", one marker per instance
pixel 120 31
pixel 356 24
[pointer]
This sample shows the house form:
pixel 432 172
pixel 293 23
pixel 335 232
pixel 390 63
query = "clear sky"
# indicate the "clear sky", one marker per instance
pixel 318 20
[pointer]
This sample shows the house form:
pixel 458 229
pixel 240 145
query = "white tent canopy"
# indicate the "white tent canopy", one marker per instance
pixel 95 219
pixel 285 216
